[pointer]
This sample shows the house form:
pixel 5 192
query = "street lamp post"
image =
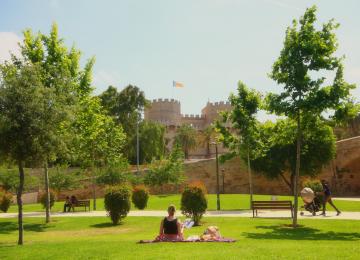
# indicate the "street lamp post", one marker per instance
pixel 137 144
pixel 217 177
pixel 223 180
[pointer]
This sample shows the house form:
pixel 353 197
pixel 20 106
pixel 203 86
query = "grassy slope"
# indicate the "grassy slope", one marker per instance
pixel 228 202
pixel 84 238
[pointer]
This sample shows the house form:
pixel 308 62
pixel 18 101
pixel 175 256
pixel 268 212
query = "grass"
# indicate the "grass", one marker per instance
pixel 228 202
pixel 96 238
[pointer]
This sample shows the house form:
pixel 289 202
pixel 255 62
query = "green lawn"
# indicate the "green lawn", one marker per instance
pixel 228 202
pixel 95 238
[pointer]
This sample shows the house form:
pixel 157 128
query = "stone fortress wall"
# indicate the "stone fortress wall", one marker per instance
pixel 168 113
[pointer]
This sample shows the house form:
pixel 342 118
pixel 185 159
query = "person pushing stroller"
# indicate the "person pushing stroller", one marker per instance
pixel 327 198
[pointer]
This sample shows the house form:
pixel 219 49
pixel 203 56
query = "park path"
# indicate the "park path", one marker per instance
pixel 221 213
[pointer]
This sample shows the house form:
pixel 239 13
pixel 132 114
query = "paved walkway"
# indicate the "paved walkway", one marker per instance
pixel 160 213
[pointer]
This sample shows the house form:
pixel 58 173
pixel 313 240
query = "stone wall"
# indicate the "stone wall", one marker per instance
pixel 343 173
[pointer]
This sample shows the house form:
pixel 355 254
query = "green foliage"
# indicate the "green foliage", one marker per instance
pixel 98 141
pixel 125 108
pixel 275 153
pixel 166 171
pixel 245 104
pixel 315 185
pixel 43 198
pixel 140 196
pixel 152 141
pixel 9 180
pixel 186 138
pixel 5 200
pixel 61 179
pixel 117 202
pixel 194 201
pixel 307 50
pixel 114 175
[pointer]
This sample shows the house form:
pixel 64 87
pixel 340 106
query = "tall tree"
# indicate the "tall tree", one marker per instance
pixel 152 141
pixel 21 111
pixel 245 105
pixel 186 138
pixel 98 141
pixel 207 136
pixel 307 52
pixel 63 79
pixel 125 107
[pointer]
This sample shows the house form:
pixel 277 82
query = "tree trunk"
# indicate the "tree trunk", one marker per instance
pixel 47 191
pixel 292 182
pixel 250 176
pixel 297 169
pixel 19 202
pixel 94 188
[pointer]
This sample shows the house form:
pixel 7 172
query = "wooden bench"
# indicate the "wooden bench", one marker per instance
pixel 267 205
pixel 81 203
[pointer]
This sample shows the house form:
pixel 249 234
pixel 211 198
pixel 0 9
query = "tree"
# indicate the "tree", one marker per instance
pixel 60 180
pixel 275 153
pixel 125 108
pixel 63 81
pixel 208 135
pixel 186 138
pixel 21 110
pixel 242 118
pixel 166 171
pixel 98 141
pixel 308 51
pixel 9 181
pixel 152 141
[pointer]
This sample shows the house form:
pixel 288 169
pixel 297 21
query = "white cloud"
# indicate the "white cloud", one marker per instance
pixel 9 44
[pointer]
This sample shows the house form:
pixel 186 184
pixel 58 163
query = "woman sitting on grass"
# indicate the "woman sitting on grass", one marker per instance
pixel 171 228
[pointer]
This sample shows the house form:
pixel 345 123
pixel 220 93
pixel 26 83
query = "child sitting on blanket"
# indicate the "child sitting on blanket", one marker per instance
pixel 171 228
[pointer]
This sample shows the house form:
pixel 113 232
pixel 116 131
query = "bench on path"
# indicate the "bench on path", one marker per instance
pixel 267 205
pixel 81 203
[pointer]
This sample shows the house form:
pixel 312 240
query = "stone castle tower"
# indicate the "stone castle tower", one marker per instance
pixel 168 113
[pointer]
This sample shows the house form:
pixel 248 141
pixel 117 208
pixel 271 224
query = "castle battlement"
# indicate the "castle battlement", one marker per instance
pixel 165 100
pixel 218 104
pixel 191 116
pixel 168 112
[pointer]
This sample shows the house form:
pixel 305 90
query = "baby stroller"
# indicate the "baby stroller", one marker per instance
pixel 312 203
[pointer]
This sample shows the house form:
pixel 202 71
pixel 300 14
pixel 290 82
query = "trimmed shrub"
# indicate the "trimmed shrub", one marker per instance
pixel 140 196
pixel 52 199
pixel 194 201
pixel 5 201
pixel 117 202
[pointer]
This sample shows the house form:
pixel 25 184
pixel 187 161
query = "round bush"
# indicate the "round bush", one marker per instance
pixel 117 202
pixel 140 196
pixel 52 199
pixel 194 202
pixel 5 201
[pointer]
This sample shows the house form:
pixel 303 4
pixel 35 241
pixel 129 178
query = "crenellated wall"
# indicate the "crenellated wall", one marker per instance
pixel 165 111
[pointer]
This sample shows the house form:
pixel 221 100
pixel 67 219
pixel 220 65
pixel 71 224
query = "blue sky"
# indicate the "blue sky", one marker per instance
pixel 206 44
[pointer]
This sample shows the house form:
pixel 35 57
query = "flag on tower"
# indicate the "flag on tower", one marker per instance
pixel 177 84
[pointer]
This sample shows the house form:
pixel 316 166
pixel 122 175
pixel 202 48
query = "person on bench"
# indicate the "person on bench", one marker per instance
pixel 73 201
pixel 171 228
pixel 67 204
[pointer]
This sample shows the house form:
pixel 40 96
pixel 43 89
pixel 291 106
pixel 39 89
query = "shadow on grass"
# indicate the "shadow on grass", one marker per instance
pixel 301 233
pixel 9 227
pixel 105 225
